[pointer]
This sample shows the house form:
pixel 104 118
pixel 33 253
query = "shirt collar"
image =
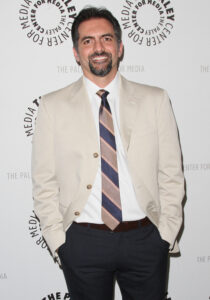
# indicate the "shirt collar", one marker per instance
pixel 112 87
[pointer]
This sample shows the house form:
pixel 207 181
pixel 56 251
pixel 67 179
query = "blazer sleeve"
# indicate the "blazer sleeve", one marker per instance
pixel 45 183
pixel 170 175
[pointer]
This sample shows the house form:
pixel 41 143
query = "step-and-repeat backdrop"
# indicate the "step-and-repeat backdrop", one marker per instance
pixel 167 44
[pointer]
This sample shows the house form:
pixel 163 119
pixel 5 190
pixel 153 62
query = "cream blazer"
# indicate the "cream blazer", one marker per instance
pixel 64 165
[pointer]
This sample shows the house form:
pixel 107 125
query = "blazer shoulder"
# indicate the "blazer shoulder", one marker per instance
pixel 139 89
pixel 66 93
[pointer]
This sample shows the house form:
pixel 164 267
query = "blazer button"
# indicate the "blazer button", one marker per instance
pixel 89 186
pixel 77 213
pixel 95 155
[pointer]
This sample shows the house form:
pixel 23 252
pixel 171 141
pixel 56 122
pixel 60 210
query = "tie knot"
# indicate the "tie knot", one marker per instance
pixel 102 93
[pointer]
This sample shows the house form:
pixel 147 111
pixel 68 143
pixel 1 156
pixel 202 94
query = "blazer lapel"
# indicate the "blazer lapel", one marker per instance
pixel 128 112
pixel 83 117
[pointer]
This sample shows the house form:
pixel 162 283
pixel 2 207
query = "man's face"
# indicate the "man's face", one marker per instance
pixel 98 52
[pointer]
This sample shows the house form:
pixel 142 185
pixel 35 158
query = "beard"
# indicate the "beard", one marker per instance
pixel 100 70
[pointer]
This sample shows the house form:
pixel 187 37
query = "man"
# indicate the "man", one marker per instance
pixel 107 174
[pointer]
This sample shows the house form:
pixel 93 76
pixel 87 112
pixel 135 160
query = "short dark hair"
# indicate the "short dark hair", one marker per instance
pixel 91 12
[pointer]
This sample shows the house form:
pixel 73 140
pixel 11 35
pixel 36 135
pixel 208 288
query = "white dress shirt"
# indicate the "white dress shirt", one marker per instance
pixel 130 208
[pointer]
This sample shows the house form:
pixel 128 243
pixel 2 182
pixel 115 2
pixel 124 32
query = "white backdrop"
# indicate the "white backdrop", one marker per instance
pixel 36 58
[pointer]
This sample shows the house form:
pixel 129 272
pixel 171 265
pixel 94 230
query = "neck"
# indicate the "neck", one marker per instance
pixel 101 81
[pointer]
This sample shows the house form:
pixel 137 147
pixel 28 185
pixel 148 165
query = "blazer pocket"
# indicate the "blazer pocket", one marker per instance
pixel 145 142
pixel 142 133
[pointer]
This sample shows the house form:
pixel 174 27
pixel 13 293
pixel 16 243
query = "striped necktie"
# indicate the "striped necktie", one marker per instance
pixel 111 204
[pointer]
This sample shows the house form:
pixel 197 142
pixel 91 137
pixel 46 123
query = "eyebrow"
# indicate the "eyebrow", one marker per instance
pixel 107 34
pixel 92 37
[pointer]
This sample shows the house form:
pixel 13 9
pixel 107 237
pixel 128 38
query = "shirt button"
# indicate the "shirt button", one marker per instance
pixel 77 213
pixel 89 186
pixel 95 155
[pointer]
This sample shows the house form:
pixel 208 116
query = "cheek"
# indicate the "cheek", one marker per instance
pixel 116 54
pixel 85 54
pixel 115 51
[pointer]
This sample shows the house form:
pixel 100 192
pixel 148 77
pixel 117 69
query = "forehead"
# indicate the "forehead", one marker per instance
pixel 94 27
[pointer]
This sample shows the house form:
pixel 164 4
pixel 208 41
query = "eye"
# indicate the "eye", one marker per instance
pixel 87 41
pixel 107 38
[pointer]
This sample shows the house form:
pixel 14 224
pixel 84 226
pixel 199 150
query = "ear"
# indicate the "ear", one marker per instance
pixel 120 50
pixel 76 55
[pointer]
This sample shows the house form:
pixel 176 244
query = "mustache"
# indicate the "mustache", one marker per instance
pixel 95 54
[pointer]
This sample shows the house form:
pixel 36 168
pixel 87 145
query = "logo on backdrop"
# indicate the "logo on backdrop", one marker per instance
pixel 30 117
pixel 147 22
pixel 203 259
pixel 35 231
pixel 3 276
pixel 47 22
pixel 57 296
pixel 191 167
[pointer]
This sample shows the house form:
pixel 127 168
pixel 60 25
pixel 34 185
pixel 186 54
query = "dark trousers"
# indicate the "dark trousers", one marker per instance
pixel 92 259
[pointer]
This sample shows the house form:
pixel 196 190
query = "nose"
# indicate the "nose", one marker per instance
pixel 99 47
